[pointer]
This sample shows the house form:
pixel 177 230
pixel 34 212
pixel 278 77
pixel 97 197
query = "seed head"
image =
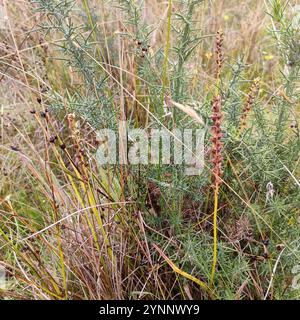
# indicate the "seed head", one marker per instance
pixel 219 53
pixel 249 102
pixel 217 158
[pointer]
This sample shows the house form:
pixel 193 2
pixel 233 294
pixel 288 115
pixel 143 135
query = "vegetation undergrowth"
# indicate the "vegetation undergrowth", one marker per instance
pixel 71 228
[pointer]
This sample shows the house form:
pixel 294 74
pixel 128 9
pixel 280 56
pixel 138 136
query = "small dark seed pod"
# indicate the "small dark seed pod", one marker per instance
pixel 266 255
pixel 52 139
pixel 14 148
pixel 266 242
pixel 279 247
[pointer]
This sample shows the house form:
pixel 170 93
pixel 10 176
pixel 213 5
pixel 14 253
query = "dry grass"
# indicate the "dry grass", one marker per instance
pixel 70 229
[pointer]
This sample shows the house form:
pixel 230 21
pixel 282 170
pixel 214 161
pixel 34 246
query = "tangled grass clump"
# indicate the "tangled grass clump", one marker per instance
pixel 71 228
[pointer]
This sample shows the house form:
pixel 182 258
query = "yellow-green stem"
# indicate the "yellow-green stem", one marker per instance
pixel 215 227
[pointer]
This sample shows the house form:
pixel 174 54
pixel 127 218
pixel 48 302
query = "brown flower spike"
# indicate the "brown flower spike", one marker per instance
pixel 219 53
pixel 249 102
pixel 216 140
pixel 217 116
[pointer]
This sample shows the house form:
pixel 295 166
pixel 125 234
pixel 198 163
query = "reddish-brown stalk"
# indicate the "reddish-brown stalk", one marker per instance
pixel 219 54
pixel 216 141
pixel 249 103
